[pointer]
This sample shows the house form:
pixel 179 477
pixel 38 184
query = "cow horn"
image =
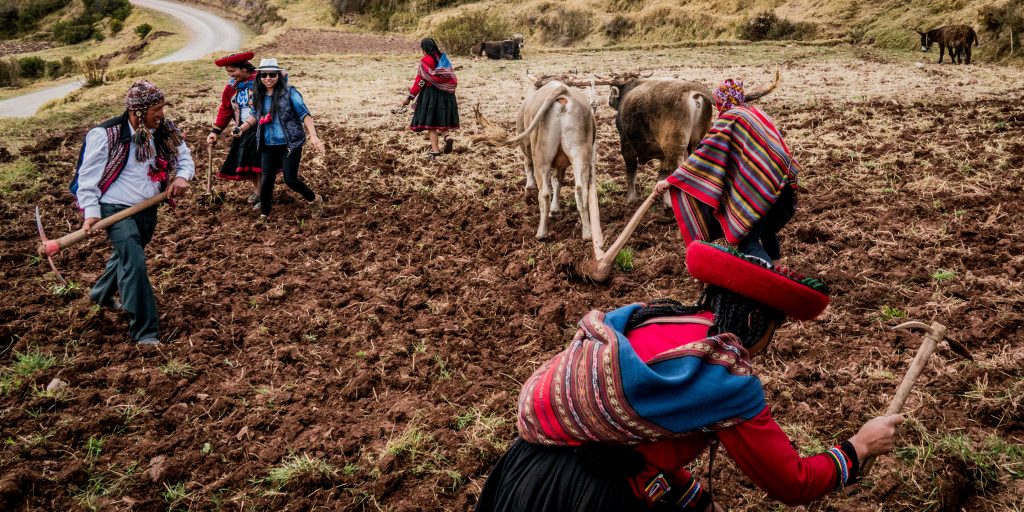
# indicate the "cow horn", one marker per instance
pixel 761 92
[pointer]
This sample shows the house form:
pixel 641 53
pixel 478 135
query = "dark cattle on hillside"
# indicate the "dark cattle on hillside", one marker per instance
pixel 497 50
pixel 958 38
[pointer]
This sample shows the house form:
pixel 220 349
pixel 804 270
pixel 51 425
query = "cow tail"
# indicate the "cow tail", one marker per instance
pixel 540 114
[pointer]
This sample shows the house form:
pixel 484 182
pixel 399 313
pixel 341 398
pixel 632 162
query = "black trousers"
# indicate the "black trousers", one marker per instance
pixel 278 158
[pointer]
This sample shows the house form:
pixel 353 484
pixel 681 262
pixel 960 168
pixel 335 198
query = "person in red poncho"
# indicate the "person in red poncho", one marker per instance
pixel 613 422
pixel 243 161
pixel 436 109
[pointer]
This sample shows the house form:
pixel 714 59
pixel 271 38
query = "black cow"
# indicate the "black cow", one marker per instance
pixel 497 50
pixel 958 38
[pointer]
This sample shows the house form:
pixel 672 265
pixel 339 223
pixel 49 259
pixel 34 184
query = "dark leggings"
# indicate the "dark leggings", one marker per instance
pixel 278 158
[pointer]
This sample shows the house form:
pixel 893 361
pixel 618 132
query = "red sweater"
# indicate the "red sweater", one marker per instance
pixel 419 83
pixel 758 446
pixel 226 112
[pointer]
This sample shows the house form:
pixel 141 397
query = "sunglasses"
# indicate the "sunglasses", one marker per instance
pixel 268 75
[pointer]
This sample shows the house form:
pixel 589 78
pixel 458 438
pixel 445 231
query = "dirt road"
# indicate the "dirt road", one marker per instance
pixel 209 33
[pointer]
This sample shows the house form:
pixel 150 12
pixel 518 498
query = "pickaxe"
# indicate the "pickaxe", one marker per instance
pixel 209 196
pixel 50 247
pixel 934 334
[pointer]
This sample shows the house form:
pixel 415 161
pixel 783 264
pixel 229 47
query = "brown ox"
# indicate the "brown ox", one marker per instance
pixel 958 38
pixel 556 130
pixel 660 118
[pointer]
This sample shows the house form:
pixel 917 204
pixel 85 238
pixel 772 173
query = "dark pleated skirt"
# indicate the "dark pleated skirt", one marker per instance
pixel 243 161
pixel 435 110
pixel 532 478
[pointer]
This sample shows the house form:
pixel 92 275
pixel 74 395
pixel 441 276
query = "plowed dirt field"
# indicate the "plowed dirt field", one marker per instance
pixel 369 358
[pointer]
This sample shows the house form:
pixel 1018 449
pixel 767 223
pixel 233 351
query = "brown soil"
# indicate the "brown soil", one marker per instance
pixel 389 335
pixel 299 41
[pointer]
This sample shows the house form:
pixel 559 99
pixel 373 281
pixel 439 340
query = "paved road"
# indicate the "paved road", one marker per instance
pixel 209 33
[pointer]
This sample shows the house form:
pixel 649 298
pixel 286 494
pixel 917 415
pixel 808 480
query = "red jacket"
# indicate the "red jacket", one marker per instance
pixel 758 446
pixel 226 111
pixel 419 83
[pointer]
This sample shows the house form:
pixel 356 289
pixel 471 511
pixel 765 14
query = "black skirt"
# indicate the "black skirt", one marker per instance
pixel 435 110
pixel 242 162
pixel 533 478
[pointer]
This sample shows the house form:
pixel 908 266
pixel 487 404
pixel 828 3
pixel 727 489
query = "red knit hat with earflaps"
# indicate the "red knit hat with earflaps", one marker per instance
pixel 234 58
pixel 798 296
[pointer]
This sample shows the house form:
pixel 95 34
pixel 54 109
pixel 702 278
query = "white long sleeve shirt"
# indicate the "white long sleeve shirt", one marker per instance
pixel 133 185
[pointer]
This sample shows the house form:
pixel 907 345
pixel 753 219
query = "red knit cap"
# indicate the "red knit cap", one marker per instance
pixel 234 58
pixel 797 296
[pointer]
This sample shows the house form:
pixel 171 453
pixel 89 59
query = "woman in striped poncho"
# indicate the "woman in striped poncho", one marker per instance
pixel 741 181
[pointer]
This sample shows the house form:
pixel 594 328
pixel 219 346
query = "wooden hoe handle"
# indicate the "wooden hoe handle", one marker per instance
pixel 51 247
pixel 933 335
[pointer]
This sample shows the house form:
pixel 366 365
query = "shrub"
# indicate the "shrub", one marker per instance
pixel 116 26
pixel 72 32
pixel 117 9
pixel 32 67
pixel 8 22
pixel 459 33
pixel 10 72
pixel 143 30
pixel 768 25
pixel 1005 18
pixel 559 24
pixel 53 69
pixel 618 27
pixel 95 71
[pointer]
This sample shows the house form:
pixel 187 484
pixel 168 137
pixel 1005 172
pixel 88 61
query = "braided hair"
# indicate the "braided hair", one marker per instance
pixel 429 46
pixel 748 319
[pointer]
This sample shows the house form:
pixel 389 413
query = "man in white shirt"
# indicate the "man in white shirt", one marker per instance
pixel 124 161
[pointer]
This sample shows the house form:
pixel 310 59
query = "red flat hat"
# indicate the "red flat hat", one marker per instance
pixel 797 296
pixel 234 58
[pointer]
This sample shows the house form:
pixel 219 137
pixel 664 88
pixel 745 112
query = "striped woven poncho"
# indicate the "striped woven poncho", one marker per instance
pixel 737 171
pixel 600 390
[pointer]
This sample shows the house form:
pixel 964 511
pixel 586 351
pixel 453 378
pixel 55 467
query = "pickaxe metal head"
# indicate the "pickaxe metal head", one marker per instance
pixel 937 332
pixel 50 247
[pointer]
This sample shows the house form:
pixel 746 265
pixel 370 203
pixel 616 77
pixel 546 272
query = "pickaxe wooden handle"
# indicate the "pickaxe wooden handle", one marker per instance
pixel 209 169
pixel 50 247
pixel 934 334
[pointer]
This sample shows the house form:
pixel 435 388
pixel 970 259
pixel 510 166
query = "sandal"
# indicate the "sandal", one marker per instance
pixel 254 198
pixel 448 144
pixel 432 155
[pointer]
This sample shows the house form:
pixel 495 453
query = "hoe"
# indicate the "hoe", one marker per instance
pixel 599 268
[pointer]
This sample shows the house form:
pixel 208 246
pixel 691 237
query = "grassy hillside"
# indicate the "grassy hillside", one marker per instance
pixel 886 23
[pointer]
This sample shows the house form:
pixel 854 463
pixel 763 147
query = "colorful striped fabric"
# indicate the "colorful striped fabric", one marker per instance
pixel 599 390
pixel 442 78
pixel 737 171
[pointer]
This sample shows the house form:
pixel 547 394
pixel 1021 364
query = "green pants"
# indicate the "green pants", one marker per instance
pixel 126 271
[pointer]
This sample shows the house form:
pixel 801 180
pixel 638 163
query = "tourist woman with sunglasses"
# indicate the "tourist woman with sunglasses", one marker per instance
pixel 282 124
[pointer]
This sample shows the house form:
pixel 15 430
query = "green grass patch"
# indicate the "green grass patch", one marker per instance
pixel 19 180
pixel 891 313
pixel 297 467
pixel 177 368
pixel 985 460
pixel 70 289
pixel 93 448
pixel 624 259
pixel 943 275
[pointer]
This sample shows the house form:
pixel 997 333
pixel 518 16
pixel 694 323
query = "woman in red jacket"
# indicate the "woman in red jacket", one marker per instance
pixel 611 423
pixel 243 161
pixel 434 91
